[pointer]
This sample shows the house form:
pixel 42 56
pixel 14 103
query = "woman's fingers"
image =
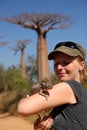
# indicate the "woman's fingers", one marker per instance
pixel 47 122
pixel 36 123
pixel 44 124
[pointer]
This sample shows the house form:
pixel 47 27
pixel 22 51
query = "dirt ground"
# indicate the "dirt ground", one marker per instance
pixel 8 122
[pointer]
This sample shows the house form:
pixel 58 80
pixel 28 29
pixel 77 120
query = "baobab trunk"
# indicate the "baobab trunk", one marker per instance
pixel 23 65
pixel 42 60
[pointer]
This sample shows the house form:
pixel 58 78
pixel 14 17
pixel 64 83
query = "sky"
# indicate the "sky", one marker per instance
pixel 77 9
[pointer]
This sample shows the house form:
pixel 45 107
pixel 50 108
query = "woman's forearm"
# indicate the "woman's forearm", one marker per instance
pixel 32 105
pixel 60 94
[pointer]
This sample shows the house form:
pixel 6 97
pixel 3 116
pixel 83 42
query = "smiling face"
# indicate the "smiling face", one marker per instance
pixel 67 67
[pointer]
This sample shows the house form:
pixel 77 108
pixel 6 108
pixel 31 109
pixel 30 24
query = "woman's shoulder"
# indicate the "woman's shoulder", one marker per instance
pixel 68 83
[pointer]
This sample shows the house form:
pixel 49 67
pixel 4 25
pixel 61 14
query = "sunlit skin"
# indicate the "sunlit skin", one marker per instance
pixel 67 67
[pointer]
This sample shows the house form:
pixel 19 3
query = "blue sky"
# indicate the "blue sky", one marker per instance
pixel 77 9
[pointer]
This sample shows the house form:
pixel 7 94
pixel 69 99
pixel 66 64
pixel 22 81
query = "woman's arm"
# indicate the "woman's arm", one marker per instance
pixel 61 93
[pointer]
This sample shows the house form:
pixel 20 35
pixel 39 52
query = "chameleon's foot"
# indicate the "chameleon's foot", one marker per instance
pixel 44 93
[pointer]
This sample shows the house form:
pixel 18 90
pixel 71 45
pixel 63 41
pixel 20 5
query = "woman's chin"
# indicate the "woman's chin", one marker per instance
pixel 63 79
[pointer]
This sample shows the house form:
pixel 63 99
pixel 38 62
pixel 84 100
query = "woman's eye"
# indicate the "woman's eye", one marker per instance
pixel 65 63
pixel 56 64
pixel 62 64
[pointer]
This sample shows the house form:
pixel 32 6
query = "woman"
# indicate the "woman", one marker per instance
pixel 68 98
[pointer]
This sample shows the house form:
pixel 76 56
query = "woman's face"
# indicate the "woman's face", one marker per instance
pixel 67 67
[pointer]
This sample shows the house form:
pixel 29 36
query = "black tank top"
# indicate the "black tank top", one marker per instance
pixel 72 116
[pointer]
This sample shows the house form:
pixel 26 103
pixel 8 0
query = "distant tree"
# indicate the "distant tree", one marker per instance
pixel 3 85
pixel 15 80
pixel 20 46
pixel 31 68
pixel 13 87
pixel 41 23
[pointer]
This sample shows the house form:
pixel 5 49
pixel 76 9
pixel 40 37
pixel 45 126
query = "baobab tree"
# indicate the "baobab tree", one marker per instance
pixel 21 45
pixel 41 23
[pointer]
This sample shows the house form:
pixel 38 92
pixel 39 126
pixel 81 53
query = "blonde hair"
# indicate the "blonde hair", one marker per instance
pixel 83 73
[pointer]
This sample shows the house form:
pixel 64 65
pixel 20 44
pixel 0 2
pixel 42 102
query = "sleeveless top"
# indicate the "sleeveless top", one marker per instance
pixel 72 116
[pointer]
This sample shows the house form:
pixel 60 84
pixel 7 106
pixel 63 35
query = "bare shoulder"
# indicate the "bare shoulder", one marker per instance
pixel 62 85
pixel 65 92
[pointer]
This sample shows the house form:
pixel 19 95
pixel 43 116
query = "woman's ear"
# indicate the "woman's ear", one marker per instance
pixel 82 65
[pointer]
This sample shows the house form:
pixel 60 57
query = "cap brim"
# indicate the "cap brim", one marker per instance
pixel 66 50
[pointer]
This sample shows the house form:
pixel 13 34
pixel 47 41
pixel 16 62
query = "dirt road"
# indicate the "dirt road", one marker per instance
pixel 14 123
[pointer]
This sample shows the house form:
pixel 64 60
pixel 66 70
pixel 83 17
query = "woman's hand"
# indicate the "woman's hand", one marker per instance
pixel 44 124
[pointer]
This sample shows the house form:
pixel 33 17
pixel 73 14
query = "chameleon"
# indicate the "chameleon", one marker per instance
pixel 41 88
pixel 44 86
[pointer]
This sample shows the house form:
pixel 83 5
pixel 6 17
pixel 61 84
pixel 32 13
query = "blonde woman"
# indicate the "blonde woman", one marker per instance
pixel 68 98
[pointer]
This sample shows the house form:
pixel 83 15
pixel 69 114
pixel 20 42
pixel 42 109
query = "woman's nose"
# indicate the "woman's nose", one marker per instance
pixel 59 66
